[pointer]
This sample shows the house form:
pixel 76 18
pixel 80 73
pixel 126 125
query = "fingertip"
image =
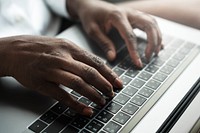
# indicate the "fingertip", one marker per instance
pixel 139 63
pixel 87 111
pixel 162 46
pixel 157 50
pixel 118 83
pixel 148 54
pixel 111 55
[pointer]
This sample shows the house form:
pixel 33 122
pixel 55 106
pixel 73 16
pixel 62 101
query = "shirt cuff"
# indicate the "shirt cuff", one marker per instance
pixel 59 7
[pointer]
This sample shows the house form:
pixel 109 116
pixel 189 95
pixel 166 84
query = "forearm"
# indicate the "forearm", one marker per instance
pixel 71 5
pixel 77 7
pixel 3 67
pixel 181 11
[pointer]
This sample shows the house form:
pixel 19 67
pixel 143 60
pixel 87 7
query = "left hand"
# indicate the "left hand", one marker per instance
pixel 99 17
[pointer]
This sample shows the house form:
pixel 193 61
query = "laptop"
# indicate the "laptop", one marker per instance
pixel 162 97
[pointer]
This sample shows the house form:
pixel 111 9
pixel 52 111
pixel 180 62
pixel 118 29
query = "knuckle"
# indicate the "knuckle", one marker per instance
pixel 90 72
pixel 40 89
pixel 60 97
pixel 116 15
pixel 153 21
pixel 98 62
pixel 62 43
pixel 76 82
pixel 131 36
pixel 150 25
pixel 92 30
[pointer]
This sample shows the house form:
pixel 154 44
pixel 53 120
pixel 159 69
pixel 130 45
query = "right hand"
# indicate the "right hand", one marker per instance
pixel 99 17
pixel 43 63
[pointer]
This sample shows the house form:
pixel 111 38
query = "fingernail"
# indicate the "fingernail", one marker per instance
pixel 139 63
pixel 103 101
pixel 118 83
pixel 110 55
pixel 162 46
pixel 88 111
pixel 112 94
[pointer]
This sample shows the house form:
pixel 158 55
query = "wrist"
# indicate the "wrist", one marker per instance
pixel 72 7
pixel 3 58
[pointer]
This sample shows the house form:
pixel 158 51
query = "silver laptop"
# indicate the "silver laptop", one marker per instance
pixel 162 97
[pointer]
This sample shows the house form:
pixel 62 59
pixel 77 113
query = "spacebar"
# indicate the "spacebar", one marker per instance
pixel 58 124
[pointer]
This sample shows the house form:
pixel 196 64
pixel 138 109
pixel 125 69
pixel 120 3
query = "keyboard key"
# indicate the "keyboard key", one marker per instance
pixel 95 112
pixel 84 131
pixel 130 108
pixel 137 83
pixel 121 98
pixel 94 126
pixel 132 72
pixel 167 39
pixel 189 45
pixel 151 68
pixel 179 56
pixel 84 100
pixel 138 100
pixel 157 61
pixel 59 108
pixel 125 64
pixel 37 126
pixel 49 116
pixel 129 90
pixel 117 90
pixel 121 118
pixel 113 107
pixel 153 84
pixel 170 50
pixel 112 127
pixel 96 106
pixel 70 112
pixel 104 116
pixel 167 69
pixel 80 122
pixel 146 92
pixel 76 93
pixel 125 80
pixel 160 77
pixel 145 76
pixel 177 43
pixel 70 129
pixel 58 124
pixel 102 132
pixel 74 97
pixel 173 63
pixel 184 50
pixel 118 71
pixel 164 55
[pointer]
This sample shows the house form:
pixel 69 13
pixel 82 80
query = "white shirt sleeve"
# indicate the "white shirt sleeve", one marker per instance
pixel 59 7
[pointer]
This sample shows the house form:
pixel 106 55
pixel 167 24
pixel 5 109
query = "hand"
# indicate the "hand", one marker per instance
pixel 99 17
pixel 42 64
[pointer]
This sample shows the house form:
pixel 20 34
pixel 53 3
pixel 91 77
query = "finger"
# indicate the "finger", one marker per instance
pixel 91 76
pixel 126 32
pixel 77 84
pixel 160 45
pixel 93 61
pixel 100 66
pixel 148 25
pixel 152 42
pixel 104 42
pixel 61 95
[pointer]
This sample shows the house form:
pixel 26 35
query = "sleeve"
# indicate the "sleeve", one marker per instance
pixel 59 7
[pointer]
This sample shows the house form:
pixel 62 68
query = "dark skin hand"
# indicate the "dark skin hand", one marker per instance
pixel 42 64
pixel 99 17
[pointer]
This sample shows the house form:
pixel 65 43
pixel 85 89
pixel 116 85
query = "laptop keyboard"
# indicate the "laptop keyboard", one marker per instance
pixel 138 94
